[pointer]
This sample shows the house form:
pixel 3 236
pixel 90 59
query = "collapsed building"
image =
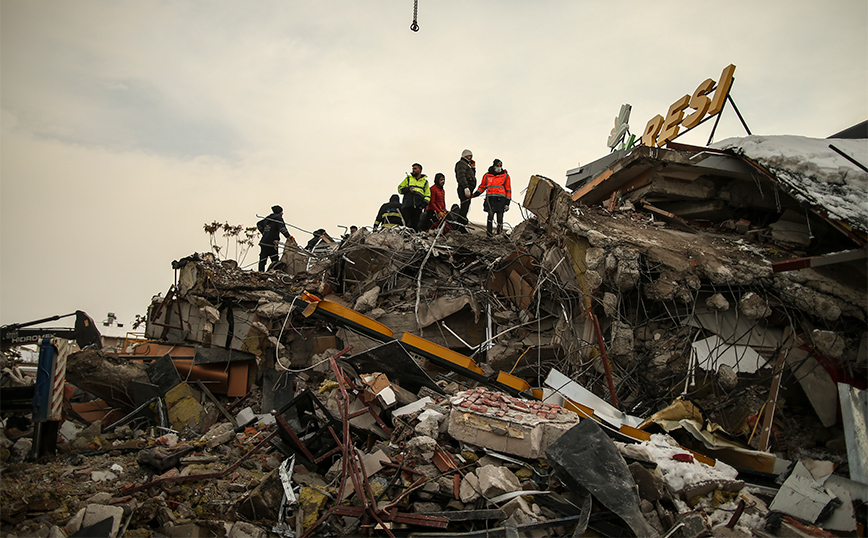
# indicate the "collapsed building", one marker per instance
pixel 676 345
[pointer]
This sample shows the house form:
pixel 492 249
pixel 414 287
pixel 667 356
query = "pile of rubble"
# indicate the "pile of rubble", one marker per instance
pixel 626 362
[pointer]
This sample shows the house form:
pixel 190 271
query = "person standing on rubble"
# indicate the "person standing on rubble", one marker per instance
pixel 271 227
pixel 436 210
pixel 389 214
pixel 455 220
pixel 498 193
pixel 417 194
pixel 465 175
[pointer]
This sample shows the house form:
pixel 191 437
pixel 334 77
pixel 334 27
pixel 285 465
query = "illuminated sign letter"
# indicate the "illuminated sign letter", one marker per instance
pixel 649 138
pixel 699 102
pixel 722 90
pixel 673 119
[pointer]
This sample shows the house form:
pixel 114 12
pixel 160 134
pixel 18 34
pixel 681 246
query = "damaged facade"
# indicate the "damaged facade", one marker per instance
pixel 676 346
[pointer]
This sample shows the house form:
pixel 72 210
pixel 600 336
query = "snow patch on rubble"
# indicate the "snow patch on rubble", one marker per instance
pixel 813 172
pixel 679 474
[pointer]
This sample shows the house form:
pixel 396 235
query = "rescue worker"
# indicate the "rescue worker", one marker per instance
pixel 417 194
pixel 465 176
pixel 436 209
pixel 271 227
pixel 319 236
pixel 389 214
pixel 498 193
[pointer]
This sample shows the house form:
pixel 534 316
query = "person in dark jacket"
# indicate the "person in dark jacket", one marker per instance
pixel 389 214
pixel 465 176
pixel 417 194
pixel 320 236
pixel 498 193
pixel 271 227
pixel 455 220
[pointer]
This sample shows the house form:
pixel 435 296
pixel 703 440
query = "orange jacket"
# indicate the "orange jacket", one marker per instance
pixel 495 185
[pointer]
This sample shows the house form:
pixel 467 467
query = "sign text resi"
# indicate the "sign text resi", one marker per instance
pixel 659 130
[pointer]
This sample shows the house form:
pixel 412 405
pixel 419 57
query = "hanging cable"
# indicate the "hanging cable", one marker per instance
pixel 414 25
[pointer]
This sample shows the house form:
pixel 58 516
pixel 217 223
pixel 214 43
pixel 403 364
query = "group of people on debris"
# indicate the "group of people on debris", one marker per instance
pixel 424 206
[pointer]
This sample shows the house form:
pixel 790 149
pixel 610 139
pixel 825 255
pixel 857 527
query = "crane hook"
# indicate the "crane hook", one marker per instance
pixel 414 25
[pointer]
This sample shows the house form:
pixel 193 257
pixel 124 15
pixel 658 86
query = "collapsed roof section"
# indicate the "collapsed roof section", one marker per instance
pixel 810 194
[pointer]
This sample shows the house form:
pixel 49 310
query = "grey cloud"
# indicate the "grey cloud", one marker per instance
pixel 129 114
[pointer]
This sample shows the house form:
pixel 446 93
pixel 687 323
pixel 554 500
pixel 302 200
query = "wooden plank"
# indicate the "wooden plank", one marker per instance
pixel 773 400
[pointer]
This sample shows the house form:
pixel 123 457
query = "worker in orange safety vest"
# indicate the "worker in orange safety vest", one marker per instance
pixel 498 194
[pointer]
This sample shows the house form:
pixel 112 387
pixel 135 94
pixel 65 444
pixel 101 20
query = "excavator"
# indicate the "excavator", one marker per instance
pixel 84 332
pixel 43 399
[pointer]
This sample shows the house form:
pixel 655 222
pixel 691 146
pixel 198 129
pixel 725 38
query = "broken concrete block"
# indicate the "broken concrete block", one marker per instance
pixel 627 274
pixel 418 405
pixel 496 480
pixel 610 304
pixel 219 434
pixel 74 524
pixel 506 424
pixel 22 448
pixel 717 303
pixel 430 422
pixel 94 513
pixel 727 377
pixel 102 476
pixel 245 417
pixel 516 504
pixel 242 529
pixel 754 306
pixel 368 300
pixel 593 279
pixel 421 445
pixel 828 342
pixel 469 490
pixel 56 532
pixel 622 339
pixel 595 257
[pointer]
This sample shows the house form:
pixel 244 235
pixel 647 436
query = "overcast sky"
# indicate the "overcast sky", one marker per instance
pixel 126 126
